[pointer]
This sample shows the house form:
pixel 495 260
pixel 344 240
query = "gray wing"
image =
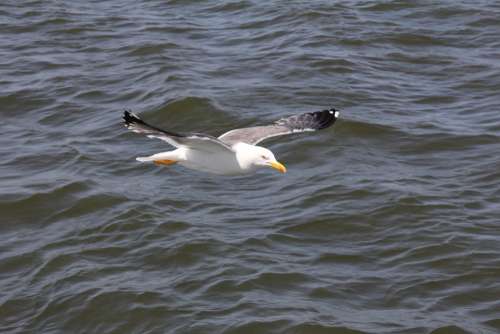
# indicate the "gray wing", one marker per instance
pixel 312 121
pixel 196 141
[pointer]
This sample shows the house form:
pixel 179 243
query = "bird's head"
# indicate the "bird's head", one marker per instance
pixel 258 156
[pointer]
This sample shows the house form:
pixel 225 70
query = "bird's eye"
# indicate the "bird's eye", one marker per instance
pixel 263 157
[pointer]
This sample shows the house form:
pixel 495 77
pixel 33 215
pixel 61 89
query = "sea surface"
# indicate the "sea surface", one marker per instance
pixel 388 222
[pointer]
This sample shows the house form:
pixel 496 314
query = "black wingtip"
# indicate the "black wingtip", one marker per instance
pixel 130 118
pixel 334 112
pixel 326 118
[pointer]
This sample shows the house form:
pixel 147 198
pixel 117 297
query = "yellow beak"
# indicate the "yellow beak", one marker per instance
pixel 278 166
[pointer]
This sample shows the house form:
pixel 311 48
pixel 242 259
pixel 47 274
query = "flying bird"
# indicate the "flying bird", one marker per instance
pixel 234 152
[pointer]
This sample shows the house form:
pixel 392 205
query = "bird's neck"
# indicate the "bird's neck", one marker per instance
pixel 245 155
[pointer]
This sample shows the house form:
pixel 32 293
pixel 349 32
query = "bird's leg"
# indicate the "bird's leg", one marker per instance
pixel 165 162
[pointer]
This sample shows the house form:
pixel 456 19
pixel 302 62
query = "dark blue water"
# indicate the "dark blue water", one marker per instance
pixel 386 223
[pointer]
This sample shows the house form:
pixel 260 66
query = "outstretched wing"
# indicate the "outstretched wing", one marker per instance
pixel 197 141
pixel 312 121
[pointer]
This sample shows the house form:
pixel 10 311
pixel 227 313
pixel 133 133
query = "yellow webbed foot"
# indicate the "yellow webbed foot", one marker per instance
pixel 165 162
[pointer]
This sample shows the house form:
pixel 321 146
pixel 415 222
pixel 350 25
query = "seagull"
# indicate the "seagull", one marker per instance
pixel 233 153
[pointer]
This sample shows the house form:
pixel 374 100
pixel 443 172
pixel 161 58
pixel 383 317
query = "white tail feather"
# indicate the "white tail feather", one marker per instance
pixel 145 159
pixel 170 155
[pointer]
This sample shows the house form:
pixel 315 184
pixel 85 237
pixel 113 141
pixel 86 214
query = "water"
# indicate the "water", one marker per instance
pixel 386 223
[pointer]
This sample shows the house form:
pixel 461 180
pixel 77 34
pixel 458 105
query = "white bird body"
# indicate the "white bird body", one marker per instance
pixel 226 163
pixel 233 153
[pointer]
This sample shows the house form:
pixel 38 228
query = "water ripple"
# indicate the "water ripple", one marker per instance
pixel 386 223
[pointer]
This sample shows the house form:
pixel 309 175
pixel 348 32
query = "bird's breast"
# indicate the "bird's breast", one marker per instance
pixel 221 163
